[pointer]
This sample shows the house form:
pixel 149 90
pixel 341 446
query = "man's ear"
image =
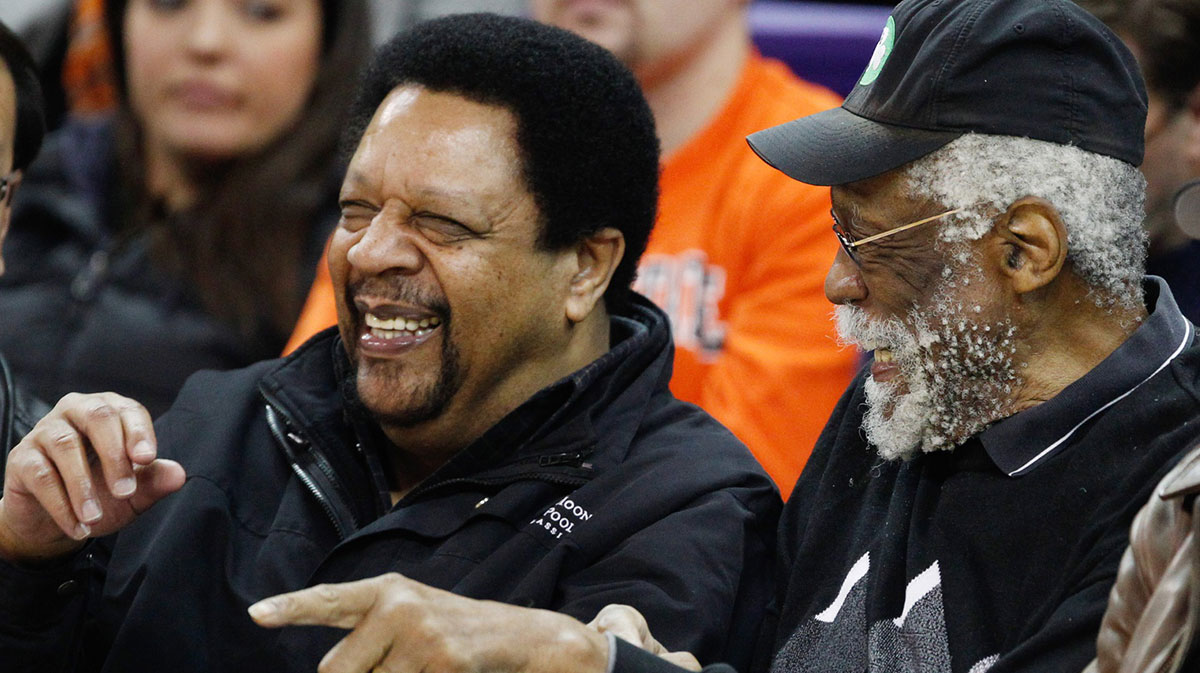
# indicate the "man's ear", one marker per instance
pixel 1031 245
pixel 596 257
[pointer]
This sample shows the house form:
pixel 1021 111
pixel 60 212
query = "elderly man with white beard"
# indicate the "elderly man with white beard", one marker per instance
pixel 966 507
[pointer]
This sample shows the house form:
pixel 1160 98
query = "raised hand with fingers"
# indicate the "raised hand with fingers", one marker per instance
pixel 399 625
pixel 88 468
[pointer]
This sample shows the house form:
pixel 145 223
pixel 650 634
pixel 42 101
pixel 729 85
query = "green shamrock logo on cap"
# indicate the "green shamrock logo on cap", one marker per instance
pixel 882 51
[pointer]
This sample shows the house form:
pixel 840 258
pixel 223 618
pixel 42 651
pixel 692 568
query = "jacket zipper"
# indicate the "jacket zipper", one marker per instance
pixel 565 480
pixel 286 438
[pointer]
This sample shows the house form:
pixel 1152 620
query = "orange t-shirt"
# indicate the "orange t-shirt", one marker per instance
pixel 737 259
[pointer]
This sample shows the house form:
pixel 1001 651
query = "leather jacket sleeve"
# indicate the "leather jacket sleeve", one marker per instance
pixel 1153 608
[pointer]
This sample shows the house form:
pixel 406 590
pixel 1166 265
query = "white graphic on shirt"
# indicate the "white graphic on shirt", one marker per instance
pixel 857 572
pixel 919 588
pixel 689 290
pixel 562 517
pixel 839 639
pixel 984 664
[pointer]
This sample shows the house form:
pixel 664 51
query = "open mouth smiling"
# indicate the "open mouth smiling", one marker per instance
pixel 884 367
pixel 390 330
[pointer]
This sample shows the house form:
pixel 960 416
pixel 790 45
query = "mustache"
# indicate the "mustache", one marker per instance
pixel 855 328
pixel 399 292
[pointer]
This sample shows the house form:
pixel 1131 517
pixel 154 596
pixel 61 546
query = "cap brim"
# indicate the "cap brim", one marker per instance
pixel 836 146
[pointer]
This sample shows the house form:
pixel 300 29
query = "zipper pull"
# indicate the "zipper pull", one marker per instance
pixel 572 459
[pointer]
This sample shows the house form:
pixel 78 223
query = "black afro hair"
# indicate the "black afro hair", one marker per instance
pixel 585 131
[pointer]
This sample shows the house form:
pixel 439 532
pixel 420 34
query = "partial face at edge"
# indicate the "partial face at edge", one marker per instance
pixel 641 33
pixel 1170 137
pixel 8 138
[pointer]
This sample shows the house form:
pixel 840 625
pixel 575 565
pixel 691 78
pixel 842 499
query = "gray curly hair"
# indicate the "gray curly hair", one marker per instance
pixel 1100 199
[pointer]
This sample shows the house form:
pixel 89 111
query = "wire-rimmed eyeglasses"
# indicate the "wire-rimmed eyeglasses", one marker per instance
pixel 849 244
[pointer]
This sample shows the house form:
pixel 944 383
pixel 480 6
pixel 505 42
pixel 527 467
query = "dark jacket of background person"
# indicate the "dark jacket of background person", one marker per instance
pixel 18 412
pixel 1154 607
pixel 601 488
pixel 85 307
pixel 107 290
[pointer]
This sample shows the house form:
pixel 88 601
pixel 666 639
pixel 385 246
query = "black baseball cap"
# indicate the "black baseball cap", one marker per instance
pixel 1043 69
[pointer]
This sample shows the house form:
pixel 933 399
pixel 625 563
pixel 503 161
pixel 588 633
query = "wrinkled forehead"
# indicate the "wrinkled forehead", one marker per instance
pixel 881 197
pixel 441 149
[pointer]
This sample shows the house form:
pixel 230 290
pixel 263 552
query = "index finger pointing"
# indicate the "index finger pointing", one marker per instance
pixel 339 605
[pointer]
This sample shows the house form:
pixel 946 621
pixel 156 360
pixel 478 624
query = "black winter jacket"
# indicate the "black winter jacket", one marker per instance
pixel 85 310
pixel 602 488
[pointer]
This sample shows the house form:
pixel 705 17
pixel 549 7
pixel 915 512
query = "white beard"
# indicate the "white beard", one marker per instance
pixel 956 374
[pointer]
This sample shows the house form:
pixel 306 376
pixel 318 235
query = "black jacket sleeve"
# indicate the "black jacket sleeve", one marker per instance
pixel 42 615
pixel 632 659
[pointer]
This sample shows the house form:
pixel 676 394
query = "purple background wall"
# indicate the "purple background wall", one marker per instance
pixel 823 42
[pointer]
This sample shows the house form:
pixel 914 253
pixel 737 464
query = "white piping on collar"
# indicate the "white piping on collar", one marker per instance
pixel 1187 338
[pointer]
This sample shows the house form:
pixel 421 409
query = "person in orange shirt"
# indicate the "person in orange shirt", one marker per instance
pixel 739 252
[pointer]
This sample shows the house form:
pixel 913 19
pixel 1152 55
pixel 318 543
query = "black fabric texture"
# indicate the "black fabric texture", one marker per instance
pixel 632 659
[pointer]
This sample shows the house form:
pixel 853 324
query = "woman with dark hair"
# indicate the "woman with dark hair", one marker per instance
pixel 182 233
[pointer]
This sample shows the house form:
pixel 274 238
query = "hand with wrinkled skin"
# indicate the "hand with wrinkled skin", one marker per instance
pixel 628 624
pixel 402 626
pixel 88 468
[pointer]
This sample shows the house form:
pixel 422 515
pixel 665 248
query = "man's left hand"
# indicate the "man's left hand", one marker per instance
pixel 399 625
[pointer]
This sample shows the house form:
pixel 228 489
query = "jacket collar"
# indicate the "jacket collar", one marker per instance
pixel 315 385
pixel 1020 443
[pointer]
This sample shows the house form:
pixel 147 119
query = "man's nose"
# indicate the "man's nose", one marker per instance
pixel 386 245
pixel 844 282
